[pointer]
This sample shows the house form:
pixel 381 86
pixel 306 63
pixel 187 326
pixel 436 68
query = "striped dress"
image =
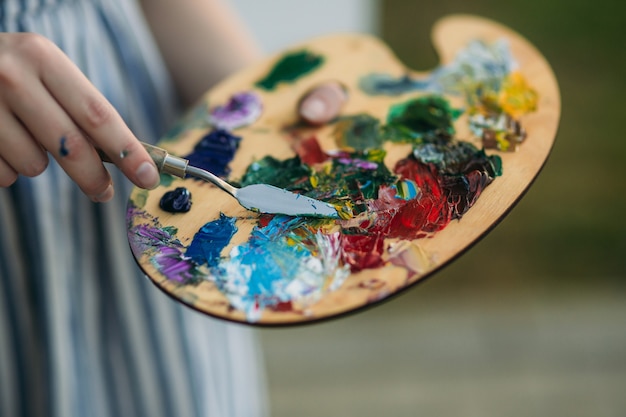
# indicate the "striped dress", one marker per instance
pixel 82 332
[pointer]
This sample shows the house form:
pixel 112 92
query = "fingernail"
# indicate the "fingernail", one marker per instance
pixel 313 109
pixel 148 176
pixel 104 196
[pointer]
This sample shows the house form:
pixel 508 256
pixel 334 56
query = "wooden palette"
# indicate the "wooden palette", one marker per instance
pixel 347 59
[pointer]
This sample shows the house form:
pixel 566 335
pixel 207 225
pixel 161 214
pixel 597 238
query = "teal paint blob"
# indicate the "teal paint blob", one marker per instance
pixel 166 179
pixel 207 244
pixel 289 68
pixel 359 132
pixel 388 85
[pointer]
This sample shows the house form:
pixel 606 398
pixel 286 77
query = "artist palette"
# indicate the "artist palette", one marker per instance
pixel 419 166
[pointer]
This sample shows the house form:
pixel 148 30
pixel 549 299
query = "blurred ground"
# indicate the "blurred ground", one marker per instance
pixel 532 320
pixel 439 351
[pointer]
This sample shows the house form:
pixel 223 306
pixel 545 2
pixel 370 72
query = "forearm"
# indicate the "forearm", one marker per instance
pixel 202 41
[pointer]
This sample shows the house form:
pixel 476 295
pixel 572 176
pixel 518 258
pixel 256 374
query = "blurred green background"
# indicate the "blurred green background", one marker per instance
pixel 532 320
pixel 571 225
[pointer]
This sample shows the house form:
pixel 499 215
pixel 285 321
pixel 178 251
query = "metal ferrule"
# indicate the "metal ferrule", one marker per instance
pixel 174 165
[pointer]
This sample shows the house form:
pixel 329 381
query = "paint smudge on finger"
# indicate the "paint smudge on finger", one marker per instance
pixel 63 150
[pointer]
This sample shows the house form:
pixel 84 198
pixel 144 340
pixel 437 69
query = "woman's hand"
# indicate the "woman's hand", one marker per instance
pixel 48 106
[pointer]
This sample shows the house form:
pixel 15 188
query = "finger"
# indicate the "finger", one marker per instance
pixel 18 149
pixel 93 114
pixel 323 103
pixel 50 125
pixel 7 174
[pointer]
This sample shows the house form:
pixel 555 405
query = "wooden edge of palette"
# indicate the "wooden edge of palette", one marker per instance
pixel 364 289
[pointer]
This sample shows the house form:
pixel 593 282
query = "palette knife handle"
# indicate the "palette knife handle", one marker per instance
pixel 178 167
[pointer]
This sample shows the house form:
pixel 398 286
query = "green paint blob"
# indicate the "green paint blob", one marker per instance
pixel 422 118
pixel 289 68
pixel 282 174
pixel 167 179
pixel 139 198
pixel 359 132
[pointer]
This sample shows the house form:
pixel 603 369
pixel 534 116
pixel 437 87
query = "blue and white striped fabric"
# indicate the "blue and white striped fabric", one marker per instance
pixel 82 332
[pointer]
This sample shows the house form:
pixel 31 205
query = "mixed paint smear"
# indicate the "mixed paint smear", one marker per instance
pixel 487 77
pixel 289 263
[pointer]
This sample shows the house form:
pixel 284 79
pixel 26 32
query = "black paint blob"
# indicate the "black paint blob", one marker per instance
pixel 176 201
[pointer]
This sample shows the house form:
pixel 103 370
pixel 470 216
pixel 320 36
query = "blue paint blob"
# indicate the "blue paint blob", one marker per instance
pixel 406 189
pixel 210 240
pixel 387 85
pixel 63 151
pixel 176 201
pixel 215 151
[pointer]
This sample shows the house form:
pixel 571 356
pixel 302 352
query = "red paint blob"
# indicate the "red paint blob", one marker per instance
pixel 310 151
pixel 283 306
pixel 363 251
pixel 430 211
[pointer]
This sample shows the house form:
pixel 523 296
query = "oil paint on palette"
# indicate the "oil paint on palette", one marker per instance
pixel 419 166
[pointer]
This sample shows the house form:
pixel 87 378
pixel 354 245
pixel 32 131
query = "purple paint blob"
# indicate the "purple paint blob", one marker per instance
pixel 145 238
pixel 214 152
pixel 171 262
pixel 360 163
pixel 165 251
pixel 243 109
